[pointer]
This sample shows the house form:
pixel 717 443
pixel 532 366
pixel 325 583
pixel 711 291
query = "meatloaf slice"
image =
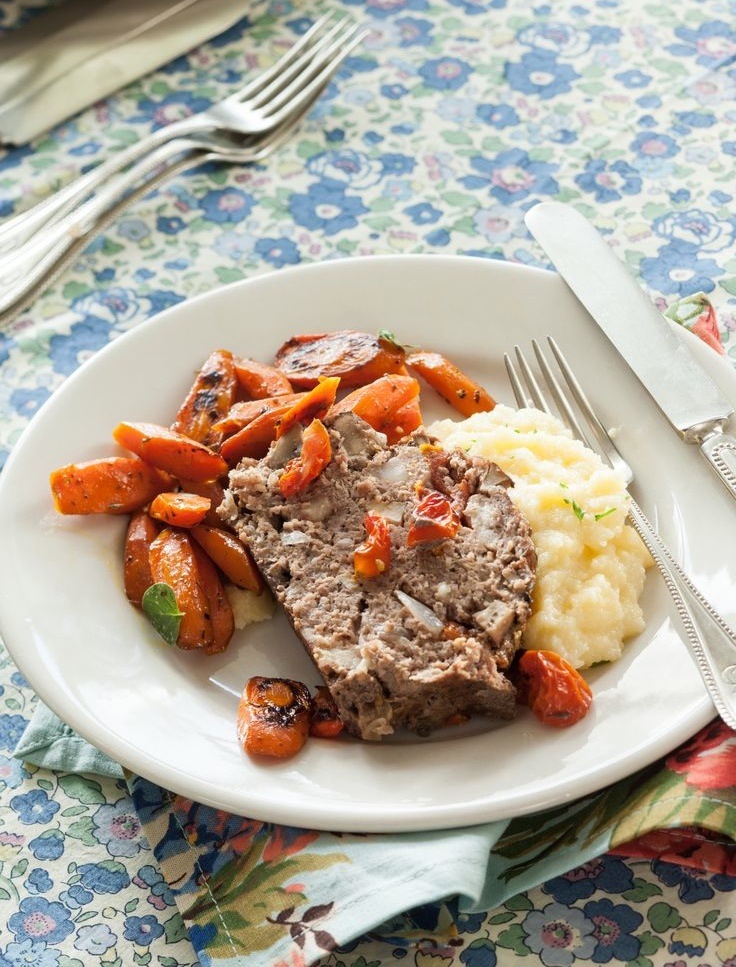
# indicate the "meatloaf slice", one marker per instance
pixel 431 637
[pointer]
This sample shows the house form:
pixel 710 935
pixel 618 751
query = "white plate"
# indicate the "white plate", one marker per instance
pixel 170 716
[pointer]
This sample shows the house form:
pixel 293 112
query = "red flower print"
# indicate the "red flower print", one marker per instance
pixel 709 760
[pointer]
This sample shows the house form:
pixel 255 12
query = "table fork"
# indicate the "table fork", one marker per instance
pixel 711 641
pixel 31 275
pixel 261 105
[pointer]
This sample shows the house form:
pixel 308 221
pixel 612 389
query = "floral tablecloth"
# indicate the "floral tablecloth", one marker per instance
pixel 452 119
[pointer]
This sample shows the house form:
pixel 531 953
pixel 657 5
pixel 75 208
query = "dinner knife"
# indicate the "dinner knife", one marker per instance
pixel 684 392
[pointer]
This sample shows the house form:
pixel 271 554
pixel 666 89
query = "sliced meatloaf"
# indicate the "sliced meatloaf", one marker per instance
pixel 428 639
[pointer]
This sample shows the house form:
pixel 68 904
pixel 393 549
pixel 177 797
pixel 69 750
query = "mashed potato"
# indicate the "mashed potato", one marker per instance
pixel 591 564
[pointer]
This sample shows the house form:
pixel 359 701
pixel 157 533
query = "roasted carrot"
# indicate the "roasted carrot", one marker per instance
pixel 405 420
pixel 356 357
pixel 213 490
pixel 173 562
pixel 210 397
pixel 325 721
pixel 245 411
pixel 380 401
pixel 315 454
pixel 218 604
pixel 179 509
pixel 140 533
pixel 231 556
pixel 259 381
pixel 312 406
pixel 460 391
pixel 273 717
pixel 111 485
pixel 255 438
pixel 170 451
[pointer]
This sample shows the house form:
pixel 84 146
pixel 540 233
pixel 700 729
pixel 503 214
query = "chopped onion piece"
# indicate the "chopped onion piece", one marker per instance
pixel 294 537
pixel 421 613
pixel 395 470
pixel 393 511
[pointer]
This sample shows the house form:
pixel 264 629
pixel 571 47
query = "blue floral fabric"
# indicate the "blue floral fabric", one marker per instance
pixel 440 131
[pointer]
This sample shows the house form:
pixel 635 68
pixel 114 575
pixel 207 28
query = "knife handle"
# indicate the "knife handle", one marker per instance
pixel 719 449
pixel 711 641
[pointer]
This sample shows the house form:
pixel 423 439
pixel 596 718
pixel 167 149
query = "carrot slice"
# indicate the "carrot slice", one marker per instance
pixel 141 532
pixel 460 391
pixel 179 509
pixel 244 412
pixel 170 451
pixel 218 604
pixel 111 485
pixel 325 720
pixel 212 490
pixel 273 717
pixel 405 420
pixel 231 556
pixel 173 562
pixel 255 438
pixel 210 397
pixel 312 406
pixel 315 455
pixel 356 357
pixel 259 381
pixel 380 401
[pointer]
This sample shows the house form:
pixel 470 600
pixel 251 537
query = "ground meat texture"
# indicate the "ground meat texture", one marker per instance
pixel 387 663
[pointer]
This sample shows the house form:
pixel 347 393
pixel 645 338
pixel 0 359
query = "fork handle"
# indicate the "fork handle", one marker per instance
pixel 711 641
pixel 31 269
pixel 17 230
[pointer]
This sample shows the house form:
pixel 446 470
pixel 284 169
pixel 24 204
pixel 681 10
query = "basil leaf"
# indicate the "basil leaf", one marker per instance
pixel 159 604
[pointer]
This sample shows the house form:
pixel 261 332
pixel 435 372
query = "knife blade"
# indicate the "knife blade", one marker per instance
pixel 684 392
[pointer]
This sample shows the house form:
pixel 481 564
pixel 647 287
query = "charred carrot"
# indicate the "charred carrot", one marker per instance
pixel 255 438
pixel 312 406
pixel 139 535
pixel 112 485
pixel 452 384
pixel 231 556
pixel 258 380
pixel 170 451
pixel 325 721
pixel 273 717
pixel 209 399
pixel 380 401
pixel 356 357
pixel 218 604
pixel 314 456
pixel 179 509
pixel 173 562
pixel 245 411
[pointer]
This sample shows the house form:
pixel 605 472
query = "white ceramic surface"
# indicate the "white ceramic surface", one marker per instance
pixel 170 716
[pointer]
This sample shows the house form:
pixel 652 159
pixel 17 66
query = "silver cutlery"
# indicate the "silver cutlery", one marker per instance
pixel 101 210
pixel 711 641
pixel 684 392
pixel 261 105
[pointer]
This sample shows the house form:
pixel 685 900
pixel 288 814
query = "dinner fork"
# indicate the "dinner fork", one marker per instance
pixel 131 185
pixel 711 641
pixel 262 105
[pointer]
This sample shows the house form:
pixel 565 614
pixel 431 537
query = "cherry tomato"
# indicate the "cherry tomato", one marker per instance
pixel 314 457
pixel 373 556
pixel 555 691
pixel 434 519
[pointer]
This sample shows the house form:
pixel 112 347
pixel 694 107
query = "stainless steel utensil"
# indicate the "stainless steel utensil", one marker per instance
pixel 684 392
pixel 262 105
pixel 711 641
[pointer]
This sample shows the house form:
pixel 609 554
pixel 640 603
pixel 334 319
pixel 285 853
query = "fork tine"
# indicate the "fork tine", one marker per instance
pixel 316 75
pixel 566 411
pixel 283 80
pixel 526 390
pixel 264 78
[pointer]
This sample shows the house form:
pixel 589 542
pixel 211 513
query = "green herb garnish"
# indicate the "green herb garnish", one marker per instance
pixel 159 604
